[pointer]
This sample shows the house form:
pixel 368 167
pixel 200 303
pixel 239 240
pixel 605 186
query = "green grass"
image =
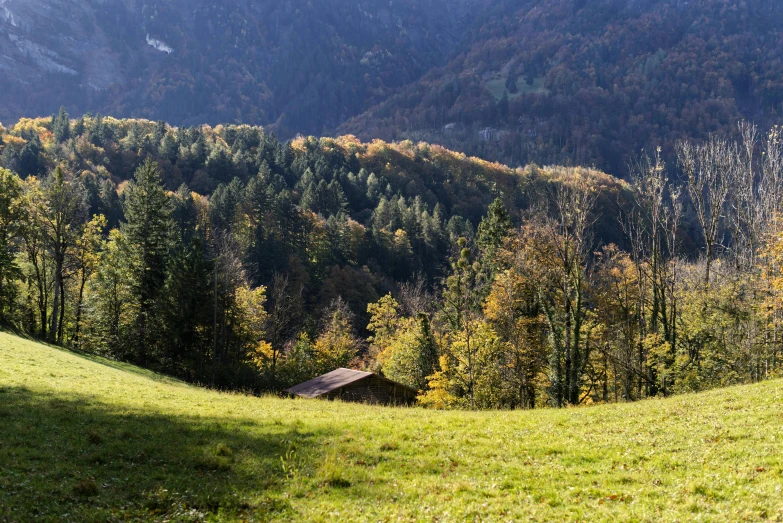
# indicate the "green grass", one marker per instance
pixel 497 86
pixel 85 439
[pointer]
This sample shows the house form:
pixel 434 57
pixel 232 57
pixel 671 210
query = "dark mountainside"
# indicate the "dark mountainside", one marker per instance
pixel 591 82
pixel 583 82
pixel 303 66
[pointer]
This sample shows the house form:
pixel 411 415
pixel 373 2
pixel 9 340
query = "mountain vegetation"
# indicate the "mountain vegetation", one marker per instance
pixel 567 82
pixel 592 82
pixel 279 193
pixel 298 66
pixel 223 257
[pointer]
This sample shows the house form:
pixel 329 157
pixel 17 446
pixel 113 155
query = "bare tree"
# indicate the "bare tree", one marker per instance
pixel 573 202
pixel 709 169
pixel 659 215
pixel 770 191
pixel 649 178
pixel 415 298
pixel 770 195
pixel 743 216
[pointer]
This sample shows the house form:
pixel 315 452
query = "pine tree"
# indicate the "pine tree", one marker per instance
pixel 31 161
pixel 61 126
pixel 78 127
pixel 10 159
pixel 426 348
pixel 462 307
pixel 189 310
pixel 493 231
pixel 147 230
pixel 494 228
pixel 98 131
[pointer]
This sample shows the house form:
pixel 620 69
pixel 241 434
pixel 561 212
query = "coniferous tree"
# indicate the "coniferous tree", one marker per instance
pixel 31 161
pixel 147 229
pixel 426 347
pixel 10 159
pixel 493 231
pixel 78 127
pixel 98 131
pixel 61 126
pixel 461 308
pixel 188 313
pixel 112 303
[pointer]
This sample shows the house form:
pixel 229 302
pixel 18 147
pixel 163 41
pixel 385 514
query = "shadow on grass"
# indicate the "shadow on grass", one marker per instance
pixel 76 458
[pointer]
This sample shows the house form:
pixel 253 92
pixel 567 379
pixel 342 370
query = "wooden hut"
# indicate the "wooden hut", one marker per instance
pixel 356 386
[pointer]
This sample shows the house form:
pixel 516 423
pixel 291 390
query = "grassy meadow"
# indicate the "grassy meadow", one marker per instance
pixel 86 439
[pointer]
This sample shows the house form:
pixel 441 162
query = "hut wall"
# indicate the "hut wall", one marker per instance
pixel 374 390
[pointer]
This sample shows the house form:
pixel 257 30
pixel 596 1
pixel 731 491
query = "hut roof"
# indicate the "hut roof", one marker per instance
pixel 328 382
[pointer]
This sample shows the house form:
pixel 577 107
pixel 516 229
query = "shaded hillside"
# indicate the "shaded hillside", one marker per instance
pixel 304 66
pixel 591 82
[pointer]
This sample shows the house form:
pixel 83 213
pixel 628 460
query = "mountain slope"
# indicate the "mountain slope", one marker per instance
pixel 594 81
pixel 302 65
pixel 87 439
pixel 580 82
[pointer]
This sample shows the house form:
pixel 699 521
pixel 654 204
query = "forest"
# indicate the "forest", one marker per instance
pixel 224 257
pixel 592 82
pixel 552 82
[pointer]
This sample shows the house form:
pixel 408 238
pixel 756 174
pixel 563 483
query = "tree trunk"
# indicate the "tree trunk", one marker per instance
pixel 62 314
pixel 56 300
pixel 79 305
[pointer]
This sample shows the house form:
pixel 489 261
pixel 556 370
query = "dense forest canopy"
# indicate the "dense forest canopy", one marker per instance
pixel 568 82
pixel 225 257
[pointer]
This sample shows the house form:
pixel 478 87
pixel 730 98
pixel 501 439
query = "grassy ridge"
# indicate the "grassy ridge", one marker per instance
pixel 85 439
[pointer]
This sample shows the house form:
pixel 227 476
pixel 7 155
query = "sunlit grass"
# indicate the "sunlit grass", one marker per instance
pixel 85 439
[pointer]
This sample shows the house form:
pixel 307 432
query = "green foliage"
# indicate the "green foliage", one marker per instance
pixel 493 231
pixel 147 232
pixel 403 347
pixel 61 126
pixel 264 279
pixel 111 301
pixel 337 345
pixel 11 219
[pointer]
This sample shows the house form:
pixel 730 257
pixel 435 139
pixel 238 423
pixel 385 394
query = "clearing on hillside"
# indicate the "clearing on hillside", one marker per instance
pixel 87 439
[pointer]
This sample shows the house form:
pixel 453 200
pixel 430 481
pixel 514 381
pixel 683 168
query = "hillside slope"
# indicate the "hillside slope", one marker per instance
pixel 593 81
pixel 576 82
pixel 86 439
pixel 304 66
